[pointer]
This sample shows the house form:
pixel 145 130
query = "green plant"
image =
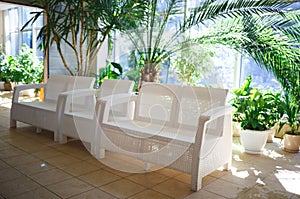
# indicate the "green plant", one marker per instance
pixel 291 115
pixel 24 68
pixel 84 26
pixel 255 109
pixel 155 41
pixel 111 71
pixel 5 73
pixel 239 93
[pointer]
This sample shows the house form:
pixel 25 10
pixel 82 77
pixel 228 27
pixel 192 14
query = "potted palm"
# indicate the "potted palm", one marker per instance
pixel 291 122
pixel 257 117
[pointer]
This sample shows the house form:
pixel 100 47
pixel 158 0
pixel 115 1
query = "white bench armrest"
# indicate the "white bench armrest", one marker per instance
pixel 19 88
pixel 217 112
pixel 104 104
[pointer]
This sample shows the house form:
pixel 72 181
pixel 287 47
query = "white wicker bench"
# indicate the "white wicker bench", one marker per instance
pixel 185 128
pixel 80 122
pixel 46 114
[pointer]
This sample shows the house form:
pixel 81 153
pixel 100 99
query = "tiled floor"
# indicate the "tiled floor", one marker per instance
pixel 33 166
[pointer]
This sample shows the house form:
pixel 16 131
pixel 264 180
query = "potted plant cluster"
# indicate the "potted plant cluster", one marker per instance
pixel 23 69
pixel 290 122
pixel 257 112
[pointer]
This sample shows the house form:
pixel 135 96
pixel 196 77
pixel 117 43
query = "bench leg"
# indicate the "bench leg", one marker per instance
pixel 147 166
pixel 56 137
pixel 38 130
pixel 62 139
pixel 196 183
pixel 100 154
pixel 227 166
pixel 13 123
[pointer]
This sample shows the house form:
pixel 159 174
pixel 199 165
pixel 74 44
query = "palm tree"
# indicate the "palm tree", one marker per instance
pixel 84 26
pixel 155 41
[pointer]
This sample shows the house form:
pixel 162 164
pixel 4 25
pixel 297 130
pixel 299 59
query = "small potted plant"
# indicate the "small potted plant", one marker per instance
pixel 258 114
pixel 239 93
pixel 291 122
pixel 5 72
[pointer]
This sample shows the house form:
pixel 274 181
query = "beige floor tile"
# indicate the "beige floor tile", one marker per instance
pixel 93 194
pixel 62 160
pixel 148 179
pixel 47 152
pixel 19 160
pixel 99 178
pixel 117 172
pixel 173 188
pixel 10 189
pixel 79 168
pixel 34 167
pixel 95 162
pixel 4 145
pixel 168 172
pixel 122 188
pixel 69 187
pixel 3 165
pixel 258 193
pixel 218 173
pixel 50 177
pixel 204 194
pixel 296 196
pixel 207 180
pixel 39 193
pixel 224 188
pixel 243 177
pixel 11 152
pixel 184 177
pixel 9 174
pixel 149 194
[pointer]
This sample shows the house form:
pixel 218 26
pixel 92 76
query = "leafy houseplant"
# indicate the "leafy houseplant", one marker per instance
pixel 257 112
pixel 291 120
pixel 112 70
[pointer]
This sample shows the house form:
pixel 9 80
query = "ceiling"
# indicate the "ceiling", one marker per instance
pixel 8 3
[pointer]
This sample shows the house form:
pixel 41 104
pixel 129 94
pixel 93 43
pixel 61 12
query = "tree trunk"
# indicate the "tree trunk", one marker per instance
pixel 149 73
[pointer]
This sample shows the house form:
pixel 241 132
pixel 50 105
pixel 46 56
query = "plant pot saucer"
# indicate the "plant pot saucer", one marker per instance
pixel 253 152
pixel 291 151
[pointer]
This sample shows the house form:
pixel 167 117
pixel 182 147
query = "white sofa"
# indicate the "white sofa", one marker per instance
pixel 185 128
pixel 46 114
pixel 80 123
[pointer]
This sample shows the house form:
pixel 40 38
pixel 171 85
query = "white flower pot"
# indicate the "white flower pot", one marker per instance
pixel 254 141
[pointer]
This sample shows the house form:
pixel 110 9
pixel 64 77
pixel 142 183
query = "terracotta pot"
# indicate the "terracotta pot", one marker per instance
pixel 7 86
pixel 254 141
pixel 271 135
pixel 236 129
pixel 291 143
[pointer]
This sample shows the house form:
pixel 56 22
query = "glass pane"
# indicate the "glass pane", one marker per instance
pixel 14 43
pixel 39 52
pixel 261 78
pixel 27 38
pixel 40 21
pixel 26 16
pixel 13 19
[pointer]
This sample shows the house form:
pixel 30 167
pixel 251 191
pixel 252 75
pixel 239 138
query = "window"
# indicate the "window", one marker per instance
pixel 16 19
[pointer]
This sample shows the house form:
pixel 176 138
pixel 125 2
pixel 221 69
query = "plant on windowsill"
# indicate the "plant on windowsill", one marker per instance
pixel 258 113
pixel 290 123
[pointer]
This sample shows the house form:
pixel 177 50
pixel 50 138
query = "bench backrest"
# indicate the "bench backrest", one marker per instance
pixel 57 84
pixel 115 86
pixel 175 105
pixel 156 103
pixel 195 100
